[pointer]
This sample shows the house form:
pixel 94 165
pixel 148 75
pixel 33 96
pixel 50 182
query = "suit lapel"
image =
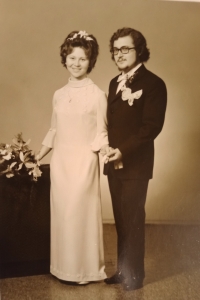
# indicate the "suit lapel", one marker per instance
pixel 113 97
pixel 138 75
pixel 116 96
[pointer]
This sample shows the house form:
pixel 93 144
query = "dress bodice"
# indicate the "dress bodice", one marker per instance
pixel 79 116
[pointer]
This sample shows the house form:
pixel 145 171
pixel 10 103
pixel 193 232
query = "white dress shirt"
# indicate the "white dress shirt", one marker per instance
pixel 124 76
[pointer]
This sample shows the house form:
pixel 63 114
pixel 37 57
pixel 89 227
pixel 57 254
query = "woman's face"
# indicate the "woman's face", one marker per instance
pixel 77 63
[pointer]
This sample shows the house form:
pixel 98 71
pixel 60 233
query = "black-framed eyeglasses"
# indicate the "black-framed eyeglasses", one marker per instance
pixel 123 50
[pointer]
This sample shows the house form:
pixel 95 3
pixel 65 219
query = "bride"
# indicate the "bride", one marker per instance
pixel 78 132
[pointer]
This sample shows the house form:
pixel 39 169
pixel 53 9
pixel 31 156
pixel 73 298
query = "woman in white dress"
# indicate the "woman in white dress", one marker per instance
pixel 78 132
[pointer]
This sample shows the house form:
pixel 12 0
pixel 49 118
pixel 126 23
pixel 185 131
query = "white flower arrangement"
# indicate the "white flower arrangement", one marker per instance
pixel 17 159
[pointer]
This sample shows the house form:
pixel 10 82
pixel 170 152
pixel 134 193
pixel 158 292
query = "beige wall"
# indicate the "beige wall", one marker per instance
pixel 31 32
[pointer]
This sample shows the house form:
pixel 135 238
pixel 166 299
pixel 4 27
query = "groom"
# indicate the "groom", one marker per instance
pixel 136 110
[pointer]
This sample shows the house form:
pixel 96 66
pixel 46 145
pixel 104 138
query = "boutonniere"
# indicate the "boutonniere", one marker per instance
pixel 131 79
pixel 128 95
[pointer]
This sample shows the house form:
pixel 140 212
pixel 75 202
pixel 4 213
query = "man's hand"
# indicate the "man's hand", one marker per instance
pixel 114 155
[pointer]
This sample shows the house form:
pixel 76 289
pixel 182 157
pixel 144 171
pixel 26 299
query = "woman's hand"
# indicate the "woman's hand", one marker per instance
pixel 105 149
pixel 43 151
pixel 38 156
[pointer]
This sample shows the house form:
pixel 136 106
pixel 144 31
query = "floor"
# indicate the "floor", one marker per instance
pixel 172 271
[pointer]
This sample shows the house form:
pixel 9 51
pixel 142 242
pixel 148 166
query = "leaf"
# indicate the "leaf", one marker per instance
pixel 8 156
pixel 13 164
pixel 3 152
pixel 16 142
pixel 21 155
pixel 18 139
pixel 27 155
pixel 37 172
pixel 20 166
pixel 28 142
pixel 5 171
pixel 29 165
pixel 9 175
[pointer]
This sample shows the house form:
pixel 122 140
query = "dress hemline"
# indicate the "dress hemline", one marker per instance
pixel 77 278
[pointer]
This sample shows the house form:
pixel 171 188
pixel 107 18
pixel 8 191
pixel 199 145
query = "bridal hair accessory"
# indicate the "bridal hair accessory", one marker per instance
pixel 83 34
pixel 127 95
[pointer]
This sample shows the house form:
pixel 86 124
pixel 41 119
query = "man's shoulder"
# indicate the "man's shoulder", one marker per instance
pixel 152 77
pixel 146 76
pixel 114 80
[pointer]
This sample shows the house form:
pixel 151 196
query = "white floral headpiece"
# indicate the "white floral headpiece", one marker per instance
pixel 83 34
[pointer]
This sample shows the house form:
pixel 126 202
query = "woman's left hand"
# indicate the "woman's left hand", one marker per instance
pixel 105 149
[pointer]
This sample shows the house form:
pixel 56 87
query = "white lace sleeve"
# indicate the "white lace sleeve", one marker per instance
pixel 101 138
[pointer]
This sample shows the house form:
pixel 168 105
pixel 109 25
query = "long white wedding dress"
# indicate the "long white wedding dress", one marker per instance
pixel 78 130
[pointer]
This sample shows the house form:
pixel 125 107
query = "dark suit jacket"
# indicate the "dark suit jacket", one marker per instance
pixel 132 129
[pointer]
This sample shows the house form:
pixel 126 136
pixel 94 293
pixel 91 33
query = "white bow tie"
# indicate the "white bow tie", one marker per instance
pixel 122 77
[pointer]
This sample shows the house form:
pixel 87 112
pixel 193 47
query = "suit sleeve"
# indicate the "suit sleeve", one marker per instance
pixel 152 119
pixel 50 136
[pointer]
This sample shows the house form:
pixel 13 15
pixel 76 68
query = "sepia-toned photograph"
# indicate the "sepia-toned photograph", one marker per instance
pixel 99 150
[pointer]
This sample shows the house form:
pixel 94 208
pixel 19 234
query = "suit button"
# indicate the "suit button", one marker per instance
pixel 112 111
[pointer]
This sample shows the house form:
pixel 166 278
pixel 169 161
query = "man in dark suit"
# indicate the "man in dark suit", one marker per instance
pixel 136 110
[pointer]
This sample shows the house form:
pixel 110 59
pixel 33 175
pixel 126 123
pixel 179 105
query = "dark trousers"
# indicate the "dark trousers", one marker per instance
pixel 128 200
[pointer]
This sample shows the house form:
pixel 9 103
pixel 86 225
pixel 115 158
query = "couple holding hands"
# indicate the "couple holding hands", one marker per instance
pixel 122 128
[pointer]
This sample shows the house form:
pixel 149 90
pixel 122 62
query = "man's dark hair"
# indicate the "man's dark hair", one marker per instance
pixel 139 42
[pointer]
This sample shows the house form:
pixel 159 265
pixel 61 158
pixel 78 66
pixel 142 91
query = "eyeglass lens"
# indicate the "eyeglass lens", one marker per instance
pixel 123 50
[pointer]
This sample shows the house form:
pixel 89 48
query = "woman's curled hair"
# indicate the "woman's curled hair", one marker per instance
pixel 83 40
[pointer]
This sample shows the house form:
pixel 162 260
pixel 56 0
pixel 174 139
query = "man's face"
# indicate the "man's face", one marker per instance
pixel 125 62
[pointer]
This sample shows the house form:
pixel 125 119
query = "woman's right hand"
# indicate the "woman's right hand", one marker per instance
pixel 43 151
pixel 38 156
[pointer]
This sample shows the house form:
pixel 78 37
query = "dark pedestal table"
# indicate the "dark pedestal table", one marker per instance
pixel 25 226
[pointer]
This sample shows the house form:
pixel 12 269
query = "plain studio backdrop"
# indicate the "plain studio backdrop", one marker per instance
pixel 31 32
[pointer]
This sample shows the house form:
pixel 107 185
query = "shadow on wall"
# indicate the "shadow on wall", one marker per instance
pixel 174 194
